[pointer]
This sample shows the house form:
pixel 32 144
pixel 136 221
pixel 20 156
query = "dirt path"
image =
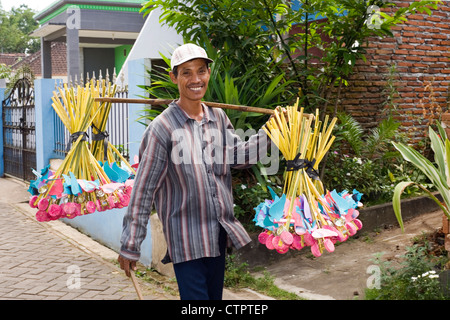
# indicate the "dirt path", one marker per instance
pixel 343 274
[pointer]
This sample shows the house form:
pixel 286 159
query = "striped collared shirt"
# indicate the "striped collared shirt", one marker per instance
pixel 184 170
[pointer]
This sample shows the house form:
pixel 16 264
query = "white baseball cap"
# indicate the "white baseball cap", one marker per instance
pixel 188 52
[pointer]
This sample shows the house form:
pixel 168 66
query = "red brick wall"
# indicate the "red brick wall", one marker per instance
pixel 420 49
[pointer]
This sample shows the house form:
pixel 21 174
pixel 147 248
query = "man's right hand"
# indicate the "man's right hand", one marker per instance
pixel 127 265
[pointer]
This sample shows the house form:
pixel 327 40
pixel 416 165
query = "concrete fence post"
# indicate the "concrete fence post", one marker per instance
pixel 137 76
pixel 2 97
pixel 45 122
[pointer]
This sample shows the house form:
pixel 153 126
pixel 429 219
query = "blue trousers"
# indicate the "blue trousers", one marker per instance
pixel 202 279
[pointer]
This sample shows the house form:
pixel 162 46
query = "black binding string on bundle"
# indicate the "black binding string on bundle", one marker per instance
pixel 298 164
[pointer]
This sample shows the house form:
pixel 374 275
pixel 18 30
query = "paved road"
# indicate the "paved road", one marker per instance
pixel 38 264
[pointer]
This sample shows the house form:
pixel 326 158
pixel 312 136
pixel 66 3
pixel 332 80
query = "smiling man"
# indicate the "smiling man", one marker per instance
pixel 193 199
pixel 192 78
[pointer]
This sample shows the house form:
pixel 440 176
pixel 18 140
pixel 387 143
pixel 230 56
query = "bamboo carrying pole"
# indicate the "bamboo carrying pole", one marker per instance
pixel 159 102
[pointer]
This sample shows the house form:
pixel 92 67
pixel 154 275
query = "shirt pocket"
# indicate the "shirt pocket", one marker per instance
pixel 215 152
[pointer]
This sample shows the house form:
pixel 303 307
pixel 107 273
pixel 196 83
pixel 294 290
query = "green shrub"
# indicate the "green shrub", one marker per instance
pixel 416 278
pixel 367 161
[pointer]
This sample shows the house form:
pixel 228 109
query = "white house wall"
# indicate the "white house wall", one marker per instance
pixel 153 40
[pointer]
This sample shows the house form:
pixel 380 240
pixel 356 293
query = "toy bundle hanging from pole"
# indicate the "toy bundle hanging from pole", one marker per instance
pixel 89 179
pixel 305 214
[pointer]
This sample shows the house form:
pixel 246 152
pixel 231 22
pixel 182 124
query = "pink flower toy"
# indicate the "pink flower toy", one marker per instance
pixel 70 197
pixel 98 205
pixel 43 204
pixel 54 211
pixel 111 202
pixel 69 210
pixel 42 216
pixel 90 207
pixel 125 200
pixel 33 201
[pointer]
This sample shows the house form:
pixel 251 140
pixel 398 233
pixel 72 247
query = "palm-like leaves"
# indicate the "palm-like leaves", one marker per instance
pixel 438 175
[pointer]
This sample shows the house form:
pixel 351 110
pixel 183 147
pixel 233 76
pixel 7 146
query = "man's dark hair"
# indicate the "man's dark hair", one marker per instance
pixel 175 69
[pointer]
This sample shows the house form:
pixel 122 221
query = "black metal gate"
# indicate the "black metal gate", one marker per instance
pixel 19 135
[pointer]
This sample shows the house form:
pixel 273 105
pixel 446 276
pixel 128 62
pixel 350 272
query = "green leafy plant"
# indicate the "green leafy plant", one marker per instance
pixel 415 278
pixel 238 276
pixel 438 174
pixel 368 162
pixel 371 145
pixel 15 28
pixel 5 71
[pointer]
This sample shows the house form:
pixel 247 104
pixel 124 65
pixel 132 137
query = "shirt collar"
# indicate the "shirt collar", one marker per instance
pixel 182 116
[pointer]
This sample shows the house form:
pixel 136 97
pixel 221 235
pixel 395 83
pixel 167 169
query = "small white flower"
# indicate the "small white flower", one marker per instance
pixel 243 186
pixel 433 276
pixel 413 278
pixel 355 45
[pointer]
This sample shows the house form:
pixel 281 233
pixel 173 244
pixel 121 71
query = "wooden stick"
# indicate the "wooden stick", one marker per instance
pixel 136 285
pixel 158 102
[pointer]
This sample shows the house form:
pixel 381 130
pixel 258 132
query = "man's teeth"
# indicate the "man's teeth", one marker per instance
pixel 196 88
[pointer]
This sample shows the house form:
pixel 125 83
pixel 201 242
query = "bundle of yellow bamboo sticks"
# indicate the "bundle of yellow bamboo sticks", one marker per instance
pixel 100 119
pixel 310 213
pixel 80 185
pixel 296 134
pixel 77 112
